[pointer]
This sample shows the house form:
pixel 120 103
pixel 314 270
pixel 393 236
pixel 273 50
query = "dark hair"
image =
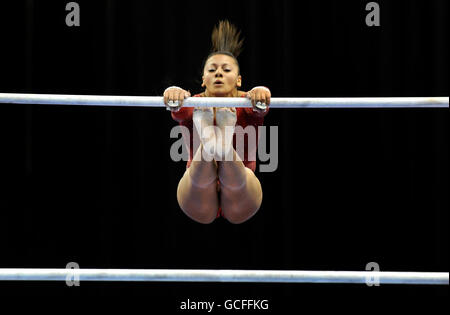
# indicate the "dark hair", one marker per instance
pixel 225 41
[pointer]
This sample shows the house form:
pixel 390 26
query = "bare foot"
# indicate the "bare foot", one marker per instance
pixel 225 121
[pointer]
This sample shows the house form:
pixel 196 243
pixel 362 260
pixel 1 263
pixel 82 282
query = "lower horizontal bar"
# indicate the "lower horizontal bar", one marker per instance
pixel 198 275
pixel 276 102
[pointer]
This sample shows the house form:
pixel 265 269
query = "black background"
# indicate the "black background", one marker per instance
pixel 96 185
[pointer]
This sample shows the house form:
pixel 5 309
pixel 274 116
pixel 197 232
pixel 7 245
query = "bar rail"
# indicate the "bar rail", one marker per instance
pixel 276 102
pixel 226 275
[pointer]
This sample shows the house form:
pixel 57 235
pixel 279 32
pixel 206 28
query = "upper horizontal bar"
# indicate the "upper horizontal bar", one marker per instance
pixel 276 102
pixel 198 275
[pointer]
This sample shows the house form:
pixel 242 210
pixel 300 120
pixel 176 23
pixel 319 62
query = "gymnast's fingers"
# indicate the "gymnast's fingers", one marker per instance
pixel 253 98
pixel 261 97
pixel 166 97
pixel 172 102
pixel 268 96
pixel 176 96
pixel 182 96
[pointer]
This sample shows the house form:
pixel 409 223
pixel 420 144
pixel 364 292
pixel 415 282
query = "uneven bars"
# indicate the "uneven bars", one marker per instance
pixel 215 275
pixel 276 102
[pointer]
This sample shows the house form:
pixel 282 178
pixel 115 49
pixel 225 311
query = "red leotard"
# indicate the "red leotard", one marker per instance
pixel 245 117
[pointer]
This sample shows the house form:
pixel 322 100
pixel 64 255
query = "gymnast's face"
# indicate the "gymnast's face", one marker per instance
pixel 221 76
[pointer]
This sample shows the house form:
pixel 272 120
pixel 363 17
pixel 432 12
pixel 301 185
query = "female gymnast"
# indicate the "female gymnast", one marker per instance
pixel 212 184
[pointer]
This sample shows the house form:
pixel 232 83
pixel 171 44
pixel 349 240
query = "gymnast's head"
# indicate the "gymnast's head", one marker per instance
pixel 221 73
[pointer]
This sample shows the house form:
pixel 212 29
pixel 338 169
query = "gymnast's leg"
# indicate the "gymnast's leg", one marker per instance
pixel 240 191
pixel 197 190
